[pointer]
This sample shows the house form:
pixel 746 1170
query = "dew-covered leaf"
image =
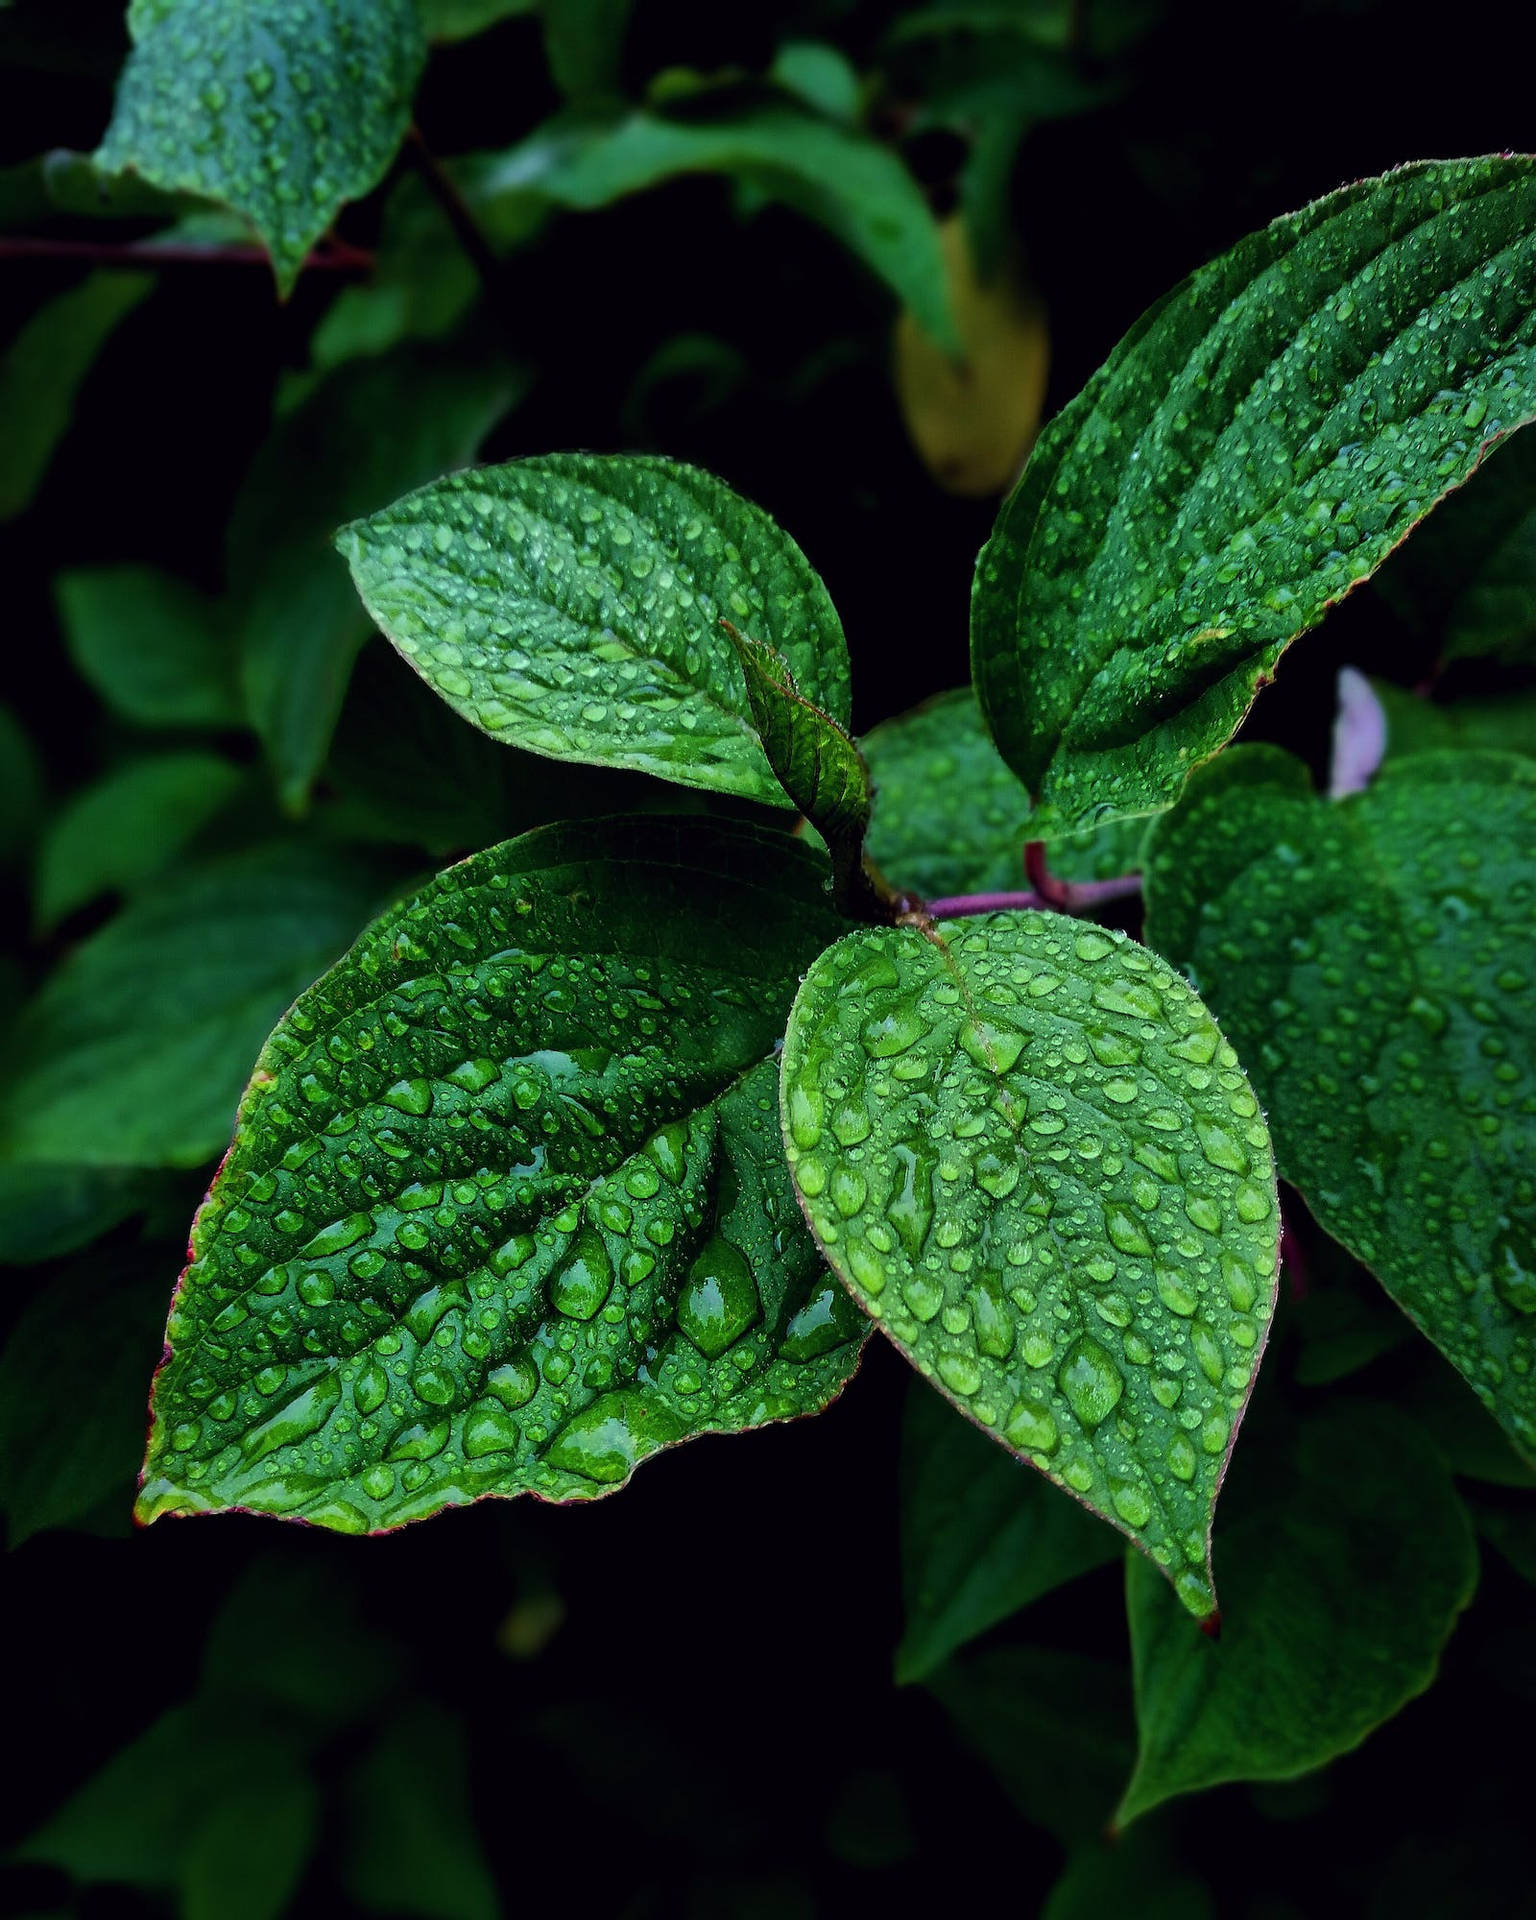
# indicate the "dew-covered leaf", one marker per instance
pixel 283 113
pixel 151 645
pixel 981 1536
pixel 950 817
pixel 127 826
pixel 1253 449
pixel 572 605
pixel 507 1209
pixel 1344 1557
pixel 1371 958
pixel 41 372
pixel 1032 1158
pixel 1415 725
pixel 135 1050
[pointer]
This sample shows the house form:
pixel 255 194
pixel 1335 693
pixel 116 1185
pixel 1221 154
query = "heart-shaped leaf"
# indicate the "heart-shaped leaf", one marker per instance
pixel 1372 958
pixel 572 605
pixel 1254 448
pixel 507 1209
pixel 1032 1158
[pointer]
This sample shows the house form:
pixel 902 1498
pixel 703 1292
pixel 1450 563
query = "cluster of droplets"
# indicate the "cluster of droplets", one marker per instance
pixel 573 604
pixel 1036 1161
pixel 437 1267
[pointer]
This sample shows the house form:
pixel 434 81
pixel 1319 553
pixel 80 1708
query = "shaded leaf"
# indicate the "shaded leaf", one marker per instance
pixel 584 44
pixel 1137 1874
pixel 1253 449
pixel 48 1208
pixel 1344 1557
pixel 1507 724
pixel 1032 1158
pixel 980 1536
pixel 153 647
pixel 246 1858
pixel 282 114
pixel 510 1188
pixel 135 1050
pixel 1372 959
pixel 821 77
pixel 572 605
pixel 463 19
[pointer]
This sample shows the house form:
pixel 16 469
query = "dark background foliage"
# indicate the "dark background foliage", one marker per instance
pixel 680 1700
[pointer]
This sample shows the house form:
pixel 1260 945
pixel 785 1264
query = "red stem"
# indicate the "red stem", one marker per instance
pixel 959 904
pixel 1073 896
pixel 336 256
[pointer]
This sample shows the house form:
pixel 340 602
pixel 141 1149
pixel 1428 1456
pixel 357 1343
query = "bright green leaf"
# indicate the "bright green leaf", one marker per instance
pixel 1507 725
pixel 135 1050
pixel 42 370
pixel 367 431
pixel 506 1209
pixel 1253 449
pixel 128 826
pixel 980 1536
pixel 282 113
pixel 1344 1558
pixel 572 605
pixel 1032 1158
pixel 1372 959
pixel 151 646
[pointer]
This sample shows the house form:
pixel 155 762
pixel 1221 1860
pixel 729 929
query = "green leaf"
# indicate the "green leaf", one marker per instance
pixel 1253 449
pixel 506 1210
pixel 135 1050
pixel 463 19
pixel 249 1853
pixel 410 1844
pixel 980 1537
pixel 1055 1728
pixel 950 817
pixel 1138 1874
pixel 1371 958
pixel 821 77
pixel 128 826
pixel 812 757
pixel 283 114
pixel 1469 578
pixel 367 431
pixel 1032 1158
pixel 48 1208
pixel 584 44
pixel 42 371
pixel 72 1395
pixel 857 189
pixel 1414 725
pixel 572 605
pixel 1345 1557
pixel 151 646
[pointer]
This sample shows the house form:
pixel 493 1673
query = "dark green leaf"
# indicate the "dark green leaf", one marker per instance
pixel 572 605
pixel 367 431
pixel 1254 448
pixel 1372 959
pixel 42 370
pixel 463 19
pixel 152 646
pixel 248 1853
pixel 1507 725
pixel 1055 1727
pixel 1511 1528
pixel 47 1208
pixel 134 1052
pixel 584 44
pixel 1463 1433
pixel 980 1536
pixel 283 114
pixel 72 1395
pixel 1135 1875
pixel 1344 1557
pixel 1032 1158
pixel 506 1209
pixel 128 826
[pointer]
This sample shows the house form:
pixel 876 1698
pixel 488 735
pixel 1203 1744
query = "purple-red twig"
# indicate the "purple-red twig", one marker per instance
pixel 334 256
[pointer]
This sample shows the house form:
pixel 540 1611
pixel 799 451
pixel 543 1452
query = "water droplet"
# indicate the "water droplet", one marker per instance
pixel 1090 1380
pixel 720 1300
pixel 1031 1428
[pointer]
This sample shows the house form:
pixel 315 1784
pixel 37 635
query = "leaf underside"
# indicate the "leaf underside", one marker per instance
pixel 506 1209
pixel 572 604
pixel 1372 959
pixel 1032 1158
pixel 1253 449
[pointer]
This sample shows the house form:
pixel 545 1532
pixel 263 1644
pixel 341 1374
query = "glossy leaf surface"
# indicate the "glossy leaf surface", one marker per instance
pixel 507 1210
pixel 1030 1155
pixel 981 1536
pixel 1372 959
pixel 572 605
pixel 283 113
pixel 1253 449
pixel 1344 1558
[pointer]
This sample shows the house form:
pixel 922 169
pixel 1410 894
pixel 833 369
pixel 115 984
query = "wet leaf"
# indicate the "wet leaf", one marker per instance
pixel 572 605
pixel 1372 960
pixel 282 113
pixel 1415 725
pixel 1344 1558
pixel 1253 449
pixel 506 1210
pixel 1032 1158
pixel 981 1537
pixel 155 650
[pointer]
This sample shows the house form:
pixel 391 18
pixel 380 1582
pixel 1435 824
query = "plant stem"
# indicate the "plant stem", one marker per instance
pixel 956 906
pixel 1073 896
pixel 336 256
